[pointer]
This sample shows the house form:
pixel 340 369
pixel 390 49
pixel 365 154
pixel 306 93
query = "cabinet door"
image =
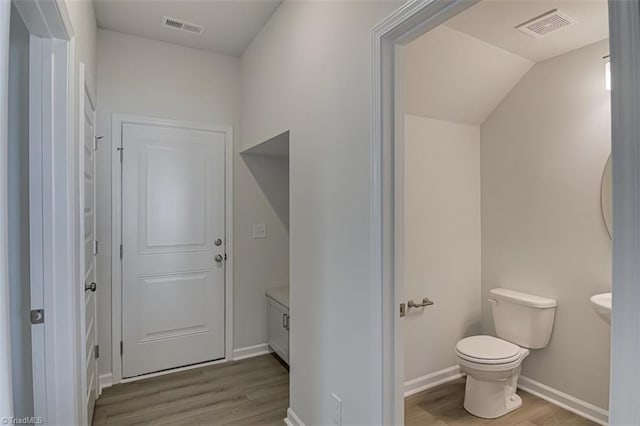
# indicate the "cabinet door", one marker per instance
pixel 277 321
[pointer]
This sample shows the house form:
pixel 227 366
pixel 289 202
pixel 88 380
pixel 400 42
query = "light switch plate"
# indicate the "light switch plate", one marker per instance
pixel 259 230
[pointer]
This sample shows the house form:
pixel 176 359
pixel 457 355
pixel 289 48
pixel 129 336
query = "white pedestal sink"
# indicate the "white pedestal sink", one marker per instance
pixel 601 303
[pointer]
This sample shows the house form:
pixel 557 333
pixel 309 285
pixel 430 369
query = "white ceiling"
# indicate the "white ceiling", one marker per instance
pixel 229 25
pixel 461 71
pixel 454 77
pixel 494 21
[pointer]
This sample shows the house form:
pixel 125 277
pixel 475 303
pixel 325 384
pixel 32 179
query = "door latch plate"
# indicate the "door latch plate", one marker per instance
pixel 37 316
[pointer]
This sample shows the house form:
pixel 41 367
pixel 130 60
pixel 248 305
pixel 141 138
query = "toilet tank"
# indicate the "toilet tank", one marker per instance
pixel 522 318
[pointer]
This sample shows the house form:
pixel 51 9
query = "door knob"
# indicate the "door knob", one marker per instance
pixel 219 258
pixel 218 242
pixel 93 286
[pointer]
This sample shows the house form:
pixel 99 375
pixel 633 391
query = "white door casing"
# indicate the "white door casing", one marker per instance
pixel 408 22
pixel 173 268
pixel 6 397
pixel 90 249
pixel 54 213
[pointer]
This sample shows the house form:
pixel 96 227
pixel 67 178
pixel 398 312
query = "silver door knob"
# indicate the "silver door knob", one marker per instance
pixel 218 258
pixel 92 286
pixel 218 242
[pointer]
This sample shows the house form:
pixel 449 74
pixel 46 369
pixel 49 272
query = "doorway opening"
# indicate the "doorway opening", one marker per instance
pixel 471 203
pixel 496 125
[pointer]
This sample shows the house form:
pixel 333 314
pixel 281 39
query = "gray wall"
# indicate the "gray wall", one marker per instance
pixel 18 173
pixel 441 241
pixel 262 196
pixel 308 71
pixel 543 151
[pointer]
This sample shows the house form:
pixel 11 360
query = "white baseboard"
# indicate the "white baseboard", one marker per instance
pixel 104 381
pixel 561 399
pixel 250 351
pixel 429 381
pixel 293 419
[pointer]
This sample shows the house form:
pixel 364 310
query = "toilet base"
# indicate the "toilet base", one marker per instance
pixel 491 399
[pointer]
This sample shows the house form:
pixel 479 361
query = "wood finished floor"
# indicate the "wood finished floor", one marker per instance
pixel 254 391
pixel 442 406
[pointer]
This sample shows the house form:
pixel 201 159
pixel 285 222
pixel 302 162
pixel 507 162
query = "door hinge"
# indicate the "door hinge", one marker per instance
pixel 121 251
pixel 121 348
pixel 95 247
pixel 121 150
pixel 95 142
pixel 97 351
pixel 37 316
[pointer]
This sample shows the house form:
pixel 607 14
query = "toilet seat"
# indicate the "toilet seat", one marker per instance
pixel 488 350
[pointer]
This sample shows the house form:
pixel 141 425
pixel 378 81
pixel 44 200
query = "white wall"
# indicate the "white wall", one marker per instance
pixel 543 151
pixel 308 71
pixel 18 174
pixel 441 240
pixel 83 19
pixel 145 77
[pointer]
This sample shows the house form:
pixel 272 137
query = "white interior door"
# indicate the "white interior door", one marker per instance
pixel 173 266
pixel 90 252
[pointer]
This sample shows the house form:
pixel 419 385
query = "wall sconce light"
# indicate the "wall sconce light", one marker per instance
pixel 607 73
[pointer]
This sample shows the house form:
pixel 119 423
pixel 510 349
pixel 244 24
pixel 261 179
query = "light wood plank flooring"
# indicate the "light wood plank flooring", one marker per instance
pixel 254 391
pixel 442 406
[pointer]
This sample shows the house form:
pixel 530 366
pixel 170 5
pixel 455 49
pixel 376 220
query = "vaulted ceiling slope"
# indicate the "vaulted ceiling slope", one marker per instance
pixel 454 77
pixel 229 25
pixel 461 71
pixel 494 21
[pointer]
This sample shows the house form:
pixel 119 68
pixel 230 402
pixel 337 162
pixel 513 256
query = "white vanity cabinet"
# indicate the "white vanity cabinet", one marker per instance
pixel 278 321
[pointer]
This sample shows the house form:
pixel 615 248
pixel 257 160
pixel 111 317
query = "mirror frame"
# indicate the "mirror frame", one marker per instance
pixel 606 197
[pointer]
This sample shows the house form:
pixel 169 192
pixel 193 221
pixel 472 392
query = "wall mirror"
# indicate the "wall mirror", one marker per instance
pixel 606 197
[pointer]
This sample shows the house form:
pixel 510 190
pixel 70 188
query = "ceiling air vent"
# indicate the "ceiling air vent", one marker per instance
pixel 547 23
pixel 178 24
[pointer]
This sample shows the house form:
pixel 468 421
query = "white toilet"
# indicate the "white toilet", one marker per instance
pixel 522 322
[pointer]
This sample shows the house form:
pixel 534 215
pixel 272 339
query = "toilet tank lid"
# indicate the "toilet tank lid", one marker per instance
pixel 520 298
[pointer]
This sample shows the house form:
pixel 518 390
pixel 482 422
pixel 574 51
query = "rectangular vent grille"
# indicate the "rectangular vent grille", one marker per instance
pixel 543 25
pixel 178 24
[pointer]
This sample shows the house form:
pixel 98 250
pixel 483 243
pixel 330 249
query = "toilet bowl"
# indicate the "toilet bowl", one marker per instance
pixel 493 364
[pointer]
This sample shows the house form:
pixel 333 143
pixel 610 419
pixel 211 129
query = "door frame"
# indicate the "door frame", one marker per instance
pixel 53 216
pixel 409 22
pixel 117 120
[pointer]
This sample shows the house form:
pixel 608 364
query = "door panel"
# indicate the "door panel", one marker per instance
pixel 90 304
pixel 186 293
pixel 173 211
pixel 176 215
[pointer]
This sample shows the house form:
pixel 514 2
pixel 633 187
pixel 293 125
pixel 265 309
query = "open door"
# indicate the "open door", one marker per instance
pixel 90 250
